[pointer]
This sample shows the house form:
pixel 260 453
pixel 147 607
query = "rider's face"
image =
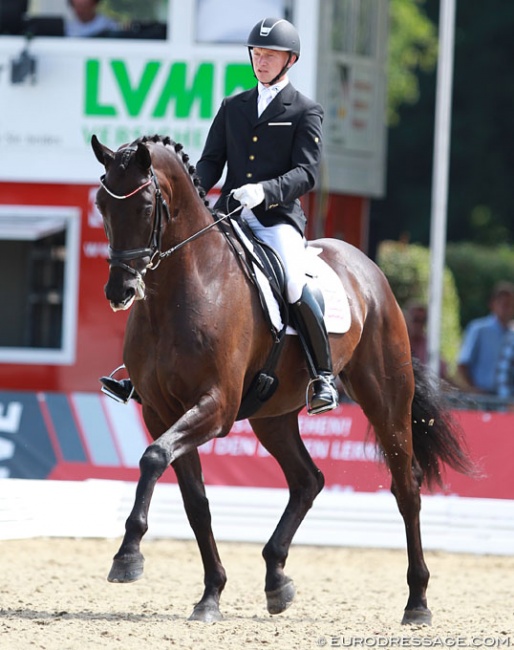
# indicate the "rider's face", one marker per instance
pixel 267 64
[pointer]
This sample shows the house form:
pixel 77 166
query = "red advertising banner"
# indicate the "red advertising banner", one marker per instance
pixel 76 436
pixel 337 442
pixel 344 450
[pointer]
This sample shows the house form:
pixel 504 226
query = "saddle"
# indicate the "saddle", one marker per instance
pixel 257 257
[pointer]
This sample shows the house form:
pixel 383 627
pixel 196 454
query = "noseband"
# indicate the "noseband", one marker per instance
pixel 120 257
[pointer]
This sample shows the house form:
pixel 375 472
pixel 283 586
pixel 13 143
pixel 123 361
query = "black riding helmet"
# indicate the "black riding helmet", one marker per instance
pixel 275 34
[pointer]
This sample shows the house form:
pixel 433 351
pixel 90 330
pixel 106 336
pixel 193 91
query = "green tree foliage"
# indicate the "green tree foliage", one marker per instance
pixel 407 267
pixel 481 191
pixel 470 274
pixel 476 270
pixel 412 47
pixel 482 158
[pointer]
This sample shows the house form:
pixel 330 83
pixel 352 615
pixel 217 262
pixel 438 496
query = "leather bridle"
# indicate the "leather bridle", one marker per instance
pixel 120 257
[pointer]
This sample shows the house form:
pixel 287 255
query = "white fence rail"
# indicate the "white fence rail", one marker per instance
pixel 97 508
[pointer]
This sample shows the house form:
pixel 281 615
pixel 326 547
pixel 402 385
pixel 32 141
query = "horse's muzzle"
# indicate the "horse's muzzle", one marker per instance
pixel 121 295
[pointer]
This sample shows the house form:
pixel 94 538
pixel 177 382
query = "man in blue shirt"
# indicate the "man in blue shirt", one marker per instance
pixel 483 339
pixel 505 370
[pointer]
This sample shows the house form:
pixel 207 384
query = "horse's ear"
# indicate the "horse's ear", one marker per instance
pixel 103 154
pixel 143 158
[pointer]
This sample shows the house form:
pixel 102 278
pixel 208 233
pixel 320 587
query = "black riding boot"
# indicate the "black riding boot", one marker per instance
pixel 121 390
pixel 308 320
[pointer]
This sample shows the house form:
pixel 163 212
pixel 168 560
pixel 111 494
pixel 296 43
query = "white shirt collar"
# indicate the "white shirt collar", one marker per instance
pixel 275 88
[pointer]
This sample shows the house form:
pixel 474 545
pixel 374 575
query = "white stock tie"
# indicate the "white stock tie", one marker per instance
pixel 265 97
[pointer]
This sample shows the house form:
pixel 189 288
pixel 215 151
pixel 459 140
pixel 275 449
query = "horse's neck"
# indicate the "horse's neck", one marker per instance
pixel 192 234
pixel 189 213
pixel 195 281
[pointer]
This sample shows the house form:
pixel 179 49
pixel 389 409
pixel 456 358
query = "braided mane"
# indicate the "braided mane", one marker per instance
pixel 179 149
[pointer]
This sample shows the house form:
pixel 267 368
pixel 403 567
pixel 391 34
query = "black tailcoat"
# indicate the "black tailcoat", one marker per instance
pixel 281 149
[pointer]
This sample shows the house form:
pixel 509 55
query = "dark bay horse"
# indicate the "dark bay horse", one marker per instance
pixel 195 339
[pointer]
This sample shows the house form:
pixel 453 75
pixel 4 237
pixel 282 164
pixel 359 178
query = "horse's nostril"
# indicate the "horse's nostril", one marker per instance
pixel 128 295
pixel 118 293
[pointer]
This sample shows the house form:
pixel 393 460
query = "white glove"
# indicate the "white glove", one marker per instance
pixel 249 195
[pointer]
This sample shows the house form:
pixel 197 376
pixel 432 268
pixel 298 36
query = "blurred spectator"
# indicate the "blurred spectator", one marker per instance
pixel 416 319
pixel 86 21
pixel 505 369
pixel 483 340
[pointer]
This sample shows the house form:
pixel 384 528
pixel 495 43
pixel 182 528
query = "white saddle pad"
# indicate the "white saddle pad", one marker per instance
pixel 337 307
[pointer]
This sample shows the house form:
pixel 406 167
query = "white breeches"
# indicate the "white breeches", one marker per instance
pixel 290 246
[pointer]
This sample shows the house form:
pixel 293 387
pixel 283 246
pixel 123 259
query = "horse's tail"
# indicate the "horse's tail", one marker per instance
pixel 437 437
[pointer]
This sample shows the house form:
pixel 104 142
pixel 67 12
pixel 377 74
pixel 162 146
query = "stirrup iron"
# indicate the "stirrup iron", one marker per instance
pixel 322 408
pixel 112 394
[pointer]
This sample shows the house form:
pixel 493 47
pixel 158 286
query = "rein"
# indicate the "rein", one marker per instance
pixel 160 256
pixel 153 250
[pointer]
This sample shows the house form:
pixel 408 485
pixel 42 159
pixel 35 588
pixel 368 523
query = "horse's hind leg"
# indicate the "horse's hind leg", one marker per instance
pixel 189 474
pixel 280 436
pixel 405 485
pixel 406 492
pixel 386 401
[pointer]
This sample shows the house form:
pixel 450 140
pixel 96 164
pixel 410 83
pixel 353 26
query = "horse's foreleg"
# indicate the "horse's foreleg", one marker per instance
pixel 198 425
pixel 189 475
pixel 128 563
pixel 280 436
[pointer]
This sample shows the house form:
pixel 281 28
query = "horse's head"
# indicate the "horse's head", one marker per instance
pixel 132 207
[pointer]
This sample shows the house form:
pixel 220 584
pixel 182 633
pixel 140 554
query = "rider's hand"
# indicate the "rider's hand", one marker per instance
pixel 249 195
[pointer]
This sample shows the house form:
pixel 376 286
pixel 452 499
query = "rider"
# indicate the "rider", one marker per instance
pixel 270 139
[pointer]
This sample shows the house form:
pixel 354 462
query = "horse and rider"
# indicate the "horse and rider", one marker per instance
pixel 197 336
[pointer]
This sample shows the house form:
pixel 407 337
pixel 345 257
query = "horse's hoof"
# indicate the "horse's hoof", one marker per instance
pixel 206 614
pixel 126 569
pixel 421 616
pixel 280 599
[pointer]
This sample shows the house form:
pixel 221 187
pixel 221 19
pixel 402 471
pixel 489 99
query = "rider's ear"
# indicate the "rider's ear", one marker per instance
pixel 143 158
pixel 103 154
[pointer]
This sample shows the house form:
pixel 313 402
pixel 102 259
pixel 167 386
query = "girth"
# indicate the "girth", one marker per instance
pixel 265 383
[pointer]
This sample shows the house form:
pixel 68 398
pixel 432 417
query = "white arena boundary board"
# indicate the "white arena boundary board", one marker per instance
pixel 98 508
